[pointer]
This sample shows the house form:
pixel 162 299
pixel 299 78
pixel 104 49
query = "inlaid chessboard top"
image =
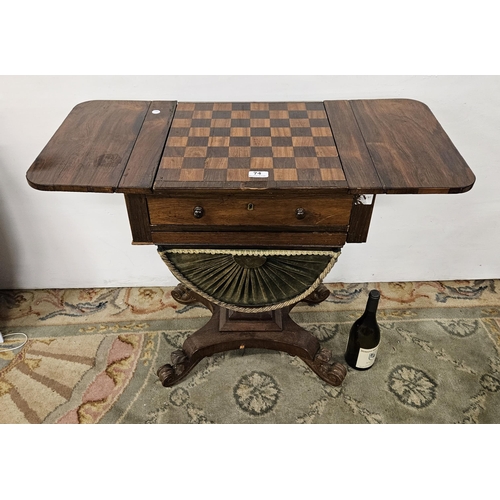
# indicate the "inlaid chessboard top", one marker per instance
pixel 224 144
pixel 354 146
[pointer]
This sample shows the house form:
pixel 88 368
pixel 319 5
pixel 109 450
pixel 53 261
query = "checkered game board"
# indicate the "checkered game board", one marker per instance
pixel 228 144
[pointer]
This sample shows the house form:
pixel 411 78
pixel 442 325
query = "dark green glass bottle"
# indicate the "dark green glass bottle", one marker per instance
pixel 364 337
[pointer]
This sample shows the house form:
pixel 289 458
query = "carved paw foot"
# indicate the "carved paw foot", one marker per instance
pixel 332 373
pixel 170 374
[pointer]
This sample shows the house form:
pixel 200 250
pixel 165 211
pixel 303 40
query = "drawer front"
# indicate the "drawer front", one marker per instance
pixel 307 213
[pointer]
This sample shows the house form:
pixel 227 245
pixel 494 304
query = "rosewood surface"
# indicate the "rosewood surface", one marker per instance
pixel 91 149
pixel 358 146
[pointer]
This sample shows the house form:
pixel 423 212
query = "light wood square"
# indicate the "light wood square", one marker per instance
pixel 240 132
pixel 281 132
pixel 261 163
pixel 199 132
pixel 185 106
pixel 285 174
pixel 316 114
pixel 195 152
pixel 239 152
pixel 299 122
pixel 217 163
pixel 177 141
pixel 332 174
pixel 259 106
pixel 218 142
pixel 260 141
pixel 221 122
pixel 181 123
pixel 296 106
pixel 302 141
pixel 237 174
pixel 223 106
pixel 280 152
pixel 199 114
pixel 171 162
pixel 326 151
pixel 321 131
pixel 260 122
pixel 191 174
pixel 240 114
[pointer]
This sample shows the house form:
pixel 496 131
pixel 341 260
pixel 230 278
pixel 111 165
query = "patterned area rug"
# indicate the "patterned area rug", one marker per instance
pixel 92 357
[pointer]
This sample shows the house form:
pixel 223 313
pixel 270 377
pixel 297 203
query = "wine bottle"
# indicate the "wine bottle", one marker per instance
pixel 364 337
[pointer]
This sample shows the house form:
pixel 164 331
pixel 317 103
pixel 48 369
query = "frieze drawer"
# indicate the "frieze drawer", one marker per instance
pixel 305 213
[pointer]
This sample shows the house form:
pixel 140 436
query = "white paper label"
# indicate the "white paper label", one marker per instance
pixel 258 174
pixel 366 357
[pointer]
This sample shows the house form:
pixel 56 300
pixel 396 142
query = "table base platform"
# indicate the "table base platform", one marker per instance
pixel 230 330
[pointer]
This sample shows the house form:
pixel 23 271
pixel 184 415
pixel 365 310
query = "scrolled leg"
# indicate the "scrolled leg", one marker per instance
pixel 332 373
pixel 171 374
pixel 185 296
pixel 317 296
pixel 182 294
pixel 166 374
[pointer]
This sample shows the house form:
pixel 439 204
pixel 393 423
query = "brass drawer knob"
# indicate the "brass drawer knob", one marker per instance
pixel 300 213
pixel 198 212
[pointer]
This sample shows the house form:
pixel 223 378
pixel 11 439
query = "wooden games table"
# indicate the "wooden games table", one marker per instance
pixel 250 203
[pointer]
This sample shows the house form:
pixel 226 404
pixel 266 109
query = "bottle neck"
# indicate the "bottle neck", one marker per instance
pixel 372 303
pixel 371 306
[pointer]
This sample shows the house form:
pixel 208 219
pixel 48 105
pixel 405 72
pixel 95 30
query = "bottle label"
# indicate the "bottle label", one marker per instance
pixel 366 357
